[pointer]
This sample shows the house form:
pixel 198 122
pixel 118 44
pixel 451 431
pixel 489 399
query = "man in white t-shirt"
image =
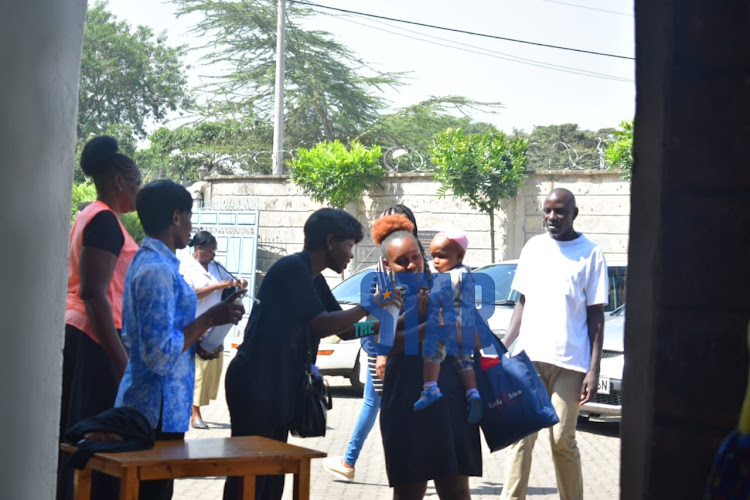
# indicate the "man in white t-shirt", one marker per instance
pixel 558 321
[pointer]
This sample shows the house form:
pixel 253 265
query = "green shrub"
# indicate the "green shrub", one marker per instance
pixel 329 172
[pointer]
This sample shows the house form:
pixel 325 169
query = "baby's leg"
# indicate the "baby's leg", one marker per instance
pixel 465 366
pixel 431 369
pixel 430 373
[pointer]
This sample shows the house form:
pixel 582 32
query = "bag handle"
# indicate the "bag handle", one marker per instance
pixel 225 270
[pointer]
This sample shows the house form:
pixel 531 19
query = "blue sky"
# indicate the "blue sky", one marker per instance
pixel 531 95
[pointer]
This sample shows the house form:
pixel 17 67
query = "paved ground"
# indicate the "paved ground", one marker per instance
pixel 599 444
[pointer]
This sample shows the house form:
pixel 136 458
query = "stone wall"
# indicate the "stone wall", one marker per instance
pixel 603 201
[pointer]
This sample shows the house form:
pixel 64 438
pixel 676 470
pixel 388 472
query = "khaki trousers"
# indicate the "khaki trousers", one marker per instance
pixel 564 388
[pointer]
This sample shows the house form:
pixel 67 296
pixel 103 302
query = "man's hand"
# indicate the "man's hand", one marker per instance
pixel 589 388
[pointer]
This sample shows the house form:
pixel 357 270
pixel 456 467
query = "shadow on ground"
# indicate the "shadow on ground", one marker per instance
pixel 611 429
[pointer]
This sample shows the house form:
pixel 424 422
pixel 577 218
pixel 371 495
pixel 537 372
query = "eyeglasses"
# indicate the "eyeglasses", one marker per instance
pixel 137 180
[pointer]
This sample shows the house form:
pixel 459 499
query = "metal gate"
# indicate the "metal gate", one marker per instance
pixel 236 233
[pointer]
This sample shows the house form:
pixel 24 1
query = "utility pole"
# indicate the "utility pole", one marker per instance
pixel 278 126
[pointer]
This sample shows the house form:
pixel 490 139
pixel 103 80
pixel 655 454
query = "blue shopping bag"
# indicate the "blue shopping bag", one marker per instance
pixel 516 402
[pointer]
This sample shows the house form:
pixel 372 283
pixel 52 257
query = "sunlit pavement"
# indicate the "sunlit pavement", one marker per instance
pixel 599 444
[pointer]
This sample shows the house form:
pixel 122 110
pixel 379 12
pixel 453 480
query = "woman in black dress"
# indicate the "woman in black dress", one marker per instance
pixel 296 309
pixel 436 443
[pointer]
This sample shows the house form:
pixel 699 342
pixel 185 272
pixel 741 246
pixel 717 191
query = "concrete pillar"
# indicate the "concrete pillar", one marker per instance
pixel 689 266
pixel 40 43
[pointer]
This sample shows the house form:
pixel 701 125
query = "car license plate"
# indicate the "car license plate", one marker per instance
pixel 603 386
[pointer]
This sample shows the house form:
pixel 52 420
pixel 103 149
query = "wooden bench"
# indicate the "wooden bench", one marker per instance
pixel 246 456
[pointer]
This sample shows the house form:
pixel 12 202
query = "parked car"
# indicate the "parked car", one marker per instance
pixel 338 357
pixel 341 358
pixel 608 401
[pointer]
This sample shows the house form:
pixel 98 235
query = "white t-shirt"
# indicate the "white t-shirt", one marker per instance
pixel 197 277
pixel 559 279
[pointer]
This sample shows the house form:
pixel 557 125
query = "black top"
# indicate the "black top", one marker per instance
pixel 103 231
pixel 271 359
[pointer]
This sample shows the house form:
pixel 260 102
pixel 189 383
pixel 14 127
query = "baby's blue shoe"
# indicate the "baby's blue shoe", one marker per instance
pixel 427 398
pixel 475 409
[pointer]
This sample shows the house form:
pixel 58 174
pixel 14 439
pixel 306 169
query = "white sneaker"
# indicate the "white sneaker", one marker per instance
pixel 336 467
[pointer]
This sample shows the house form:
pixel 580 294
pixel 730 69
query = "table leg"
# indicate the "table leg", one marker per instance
pixel 248 487
pixel 83 484
pixel 129 484
pixel 302 481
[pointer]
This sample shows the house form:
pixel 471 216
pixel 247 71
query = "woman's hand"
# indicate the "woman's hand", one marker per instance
pixel 228 310
pixel 380 363
pixel 390 297
pixel 221 285
pixel 423 302
pixel 204 354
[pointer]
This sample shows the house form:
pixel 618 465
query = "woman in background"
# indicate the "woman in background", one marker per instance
pixel 208 280
pixel 101 250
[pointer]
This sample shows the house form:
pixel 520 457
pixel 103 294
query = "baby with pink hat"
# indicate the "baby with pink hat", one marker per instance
pixel 448 249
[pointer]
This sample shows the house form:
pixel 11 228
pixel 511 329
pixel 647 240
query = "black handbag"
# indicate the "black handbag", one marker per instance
pixel 313 403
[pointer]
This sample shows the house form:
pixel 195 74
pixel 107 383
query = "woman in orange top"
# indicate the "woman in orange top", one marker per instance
pixel 101 250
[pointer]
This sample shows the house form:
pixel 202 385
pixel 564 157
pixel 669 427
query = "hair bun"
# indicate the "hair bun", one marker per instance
pixel 384 226
pixel 97 153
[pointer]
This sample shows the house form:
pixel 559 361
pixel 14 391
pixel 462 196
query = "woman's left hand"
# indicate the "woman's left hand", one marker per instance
pixel 209 355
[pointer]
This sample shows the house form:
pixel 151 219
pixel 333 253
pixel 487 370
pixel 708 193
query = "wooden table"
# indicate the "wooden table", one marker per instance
pixel 246 456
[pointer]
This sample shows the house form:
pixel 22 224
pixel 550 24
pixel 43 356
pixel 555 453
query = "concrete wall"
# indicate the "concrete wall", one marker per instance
pixel 40 50
pixel 603 200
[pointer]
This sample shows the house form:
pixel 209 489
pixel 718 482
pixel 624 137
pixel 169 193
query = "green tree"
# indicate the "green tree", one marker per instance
pixel 127 76
pixel 557 147
pixel 222 146
pixel 415 127
pixel 133 225
pixel 481 169
pixel 329 172
pixel 329 93
pixel 619 153
pixel 83 194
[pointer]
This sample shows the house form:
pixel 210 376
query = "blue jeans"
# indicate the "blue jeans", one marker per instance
pixel 367 416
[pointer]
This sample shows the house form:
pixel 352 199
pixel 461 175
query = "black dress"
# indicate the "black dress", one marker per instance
pixel 263 380
pixel 435 442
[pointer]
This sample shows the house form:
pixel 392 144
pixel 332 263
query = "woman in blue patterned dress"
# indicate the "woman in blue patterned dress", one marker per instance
pixel 159 325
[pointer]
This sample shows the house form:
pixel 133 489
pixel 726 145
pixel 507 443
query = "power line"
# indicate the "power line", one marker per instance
pixel 590 8
pixel 491 53
pixel 454 30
